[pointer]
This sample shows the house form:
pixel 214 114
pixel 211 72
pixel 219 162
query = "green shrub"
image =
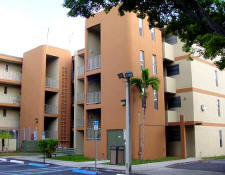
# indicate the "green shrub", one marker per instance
pixel 48 146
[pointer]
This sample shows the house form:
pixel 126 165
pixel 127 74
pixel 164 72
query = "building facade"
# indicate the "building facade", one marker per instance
pixel 49 93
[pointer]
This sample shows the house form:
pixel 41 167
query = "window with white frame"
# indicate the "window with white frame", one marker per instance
pixel 220 136
pixel 7 68
pixel 142 59
pixel 4 112
pixel 140 24
pixel 155 98
pixel 216 78
pixel 153 33
pixel 154 65
pixel 218 107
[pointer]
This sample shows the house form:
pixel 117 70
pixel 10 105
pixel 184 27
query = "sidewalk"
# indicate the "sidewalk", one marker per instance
pixel 142 168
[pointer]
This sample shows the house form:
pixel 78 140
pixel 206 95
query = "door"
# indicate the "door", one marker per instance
pixel 114 137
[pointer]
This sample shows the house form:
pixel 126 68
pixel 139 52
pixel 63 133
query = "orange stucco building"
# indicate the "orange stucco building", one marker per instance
pixel 114 44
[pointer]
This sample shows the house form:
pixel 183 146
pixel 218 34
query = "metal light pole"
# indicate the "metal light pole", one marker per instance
pixel 128 151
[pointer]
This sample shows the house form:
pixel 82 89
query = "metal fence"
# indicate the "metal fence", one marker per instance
pixel 94 63
pixel 51 109
pixel 91 134
pixel 10 99
pixel 51 82
pixel 10 75
pixel 94 97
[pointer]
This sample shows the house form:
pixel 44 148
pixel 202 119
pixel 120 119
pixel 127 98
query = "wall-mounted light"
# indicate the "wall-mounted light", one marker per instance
pixel 36 120
pixel 123 102
pixel 203 107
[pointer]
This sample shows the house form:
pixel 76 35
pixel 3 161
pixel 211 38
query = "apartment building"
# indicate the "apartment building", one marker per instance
pixel 111 47
pixel 10 92
pixel 46 93
pixel 194 89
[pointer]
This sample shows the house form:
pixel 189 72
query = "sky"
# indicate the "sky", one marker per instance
pixel 26 24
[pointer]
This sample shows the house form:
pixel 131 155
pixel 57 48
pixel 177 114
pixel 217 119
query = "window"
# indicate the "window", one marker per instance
pixel 142 59
pixel 153 33
pixel 171 40
pixel 5 90
pixel 4 112
pixel 173 70
pixel 155 94
pixel 220 135
pixel 140 24
pixel 218 107
pixel 154 65
pixel 6 67
pixel 174 102
pixel 216 78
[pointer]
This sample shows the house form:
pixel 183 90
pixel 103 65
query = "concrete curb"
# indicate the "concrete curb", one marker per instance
pixel 16 161
pixel 3 160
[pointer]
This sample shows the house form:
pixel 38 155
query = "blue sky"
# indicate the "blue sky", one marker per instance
pixel 25 23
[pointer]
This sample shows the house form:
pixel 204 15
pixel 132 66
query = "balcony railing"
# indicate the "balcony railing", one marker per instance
pixel 10 75
pixel 51 109
pixel 91 134
pixel 94 97
pixel 9 99
pixel 80 96
pixel 80 70
pixel 51 83
pixel 170 85
pixel 94 63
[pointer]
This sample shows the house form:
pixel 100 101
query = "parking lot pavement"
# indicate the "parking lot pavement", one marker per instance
pixel 8 168
pixel 212 166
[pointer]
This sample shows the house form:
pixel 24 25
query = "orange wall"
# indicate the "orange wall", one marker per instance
pixel 120 45
pixel 33 87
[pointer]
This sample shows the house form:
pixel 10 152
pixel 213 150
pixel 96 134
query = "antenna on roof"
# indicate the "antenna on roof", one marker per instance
pixel 47 36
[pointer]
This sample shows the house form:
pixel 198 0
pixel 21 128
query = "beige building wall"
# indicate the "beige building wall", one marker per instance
pixel 207 141
pixel 13 91
pixel 11 120
pixel 10 145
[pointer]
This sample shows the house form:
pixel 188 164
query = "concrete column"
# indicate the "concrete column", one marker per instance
pixel 183 137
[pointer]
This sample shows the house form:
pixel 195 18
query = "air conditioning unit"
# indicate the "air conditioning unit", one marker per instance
pixel 203 107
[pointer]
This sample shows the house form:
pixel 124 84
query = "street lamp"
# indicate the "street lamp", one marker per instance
pixel 128 151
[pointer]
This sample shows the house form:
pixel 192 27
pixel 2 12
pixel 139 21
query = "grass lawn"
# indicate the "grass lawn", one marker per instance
pixel 74 158
pixel 18 154
pixel 137 162
pixel 213 158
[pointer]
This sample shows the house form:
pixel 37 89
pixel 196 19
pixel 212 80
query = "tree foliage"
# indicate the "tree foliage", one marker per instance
pixel 199 22
pixel 48 146
pixel 5 135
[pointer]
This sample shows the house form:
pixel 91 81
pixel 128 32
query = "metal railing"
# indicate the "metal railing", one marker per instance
pixel 80 96
pixel 51 109
pixel 80 70
pixel 10 99
pixel 51 82
pixel 10 75
pixel 94 97
pixel 91 134
pixel 94 63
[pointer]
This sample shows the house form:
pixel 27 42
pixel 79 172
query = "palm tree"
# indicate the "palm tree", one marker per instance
pixel 142 84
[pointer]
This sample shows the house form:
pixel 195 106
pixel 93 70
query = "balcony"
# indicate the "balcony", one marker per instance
pixel 172 116
pixel 80 97
pixel 94 97
pixel 94 63
pixel 91 134
pixel 9 99
pixel 51 109
pixel 168 51
pixel 170 85
pixel 16 76
pixel 80 70
pixel 51 83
